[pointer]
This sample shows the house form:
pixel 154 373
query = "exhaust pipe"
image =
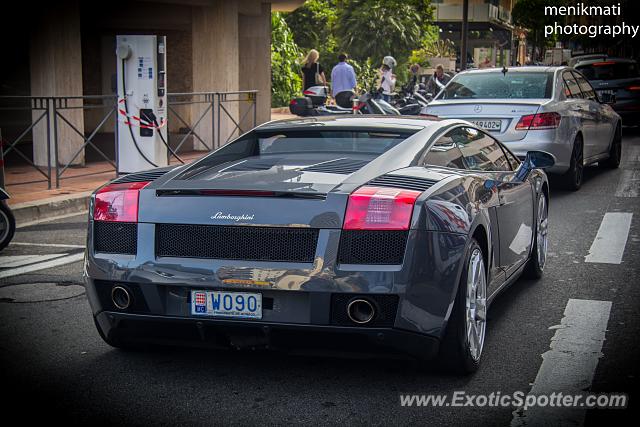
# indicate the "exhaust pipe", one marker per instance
pixel 361 311
pixel 120 297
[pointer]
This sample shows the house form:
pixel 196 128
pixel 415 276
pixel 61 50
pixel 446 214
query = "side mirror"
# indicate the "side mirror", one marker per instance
pixel 534 160
pixel 607 98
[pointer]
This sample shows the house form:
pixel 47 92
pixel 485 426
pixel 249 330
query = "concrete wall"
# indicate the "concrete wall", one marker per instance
pixel 215 64
pixel 56 70
pixel 255 57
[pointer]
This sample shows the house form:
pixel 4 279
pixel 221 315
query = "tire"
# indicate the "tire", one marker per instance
pixel 537 261
pixel 572 179
pixel 615 152
pixel 7 225
pixel 456 353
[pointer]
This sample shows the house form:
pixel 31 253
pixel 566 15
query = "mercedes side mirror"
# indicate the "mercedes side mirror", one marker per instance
pixel 607 98
pixel 534 160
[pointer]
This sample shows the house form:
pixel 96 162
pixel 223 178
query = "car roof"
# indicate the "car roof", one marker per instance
pixel 408 123
pixel 589 61
pixel 526 68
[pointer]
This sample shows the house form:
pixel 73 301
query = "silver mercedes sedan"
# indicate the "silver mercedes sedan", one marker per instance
pixel 552 109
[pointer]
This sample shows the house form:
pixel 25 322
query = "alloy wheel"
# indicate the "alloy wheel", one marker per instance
pixel 476 304
pixel 542 230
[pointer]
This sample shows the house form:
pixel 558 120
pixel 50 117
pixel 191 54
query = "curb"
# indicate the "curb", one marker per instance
pixel 31 212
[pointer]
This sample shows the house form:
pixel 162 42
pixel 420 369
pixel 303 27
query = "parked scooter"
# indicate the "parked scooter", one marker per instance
pixel 7 220
pixel 314 104
pixel 410 103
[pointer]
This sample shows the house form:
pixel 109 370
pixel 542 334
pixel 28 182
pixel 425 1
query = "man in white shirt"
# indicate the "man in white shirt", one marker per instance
pixel 343 81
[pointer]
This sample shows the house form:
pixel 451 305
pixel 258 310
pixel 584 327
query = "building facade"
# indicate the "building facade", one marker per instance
pixel 67 48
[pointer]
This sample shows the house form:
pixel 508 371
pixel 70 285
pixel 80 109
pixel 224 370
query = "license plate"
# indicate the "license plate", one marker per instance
pixel 241 305
pixel 488 124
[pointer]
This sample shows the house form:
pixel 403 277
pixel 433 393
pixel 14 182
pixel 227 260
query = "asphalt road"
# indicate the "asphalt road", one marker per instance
pixel 56 367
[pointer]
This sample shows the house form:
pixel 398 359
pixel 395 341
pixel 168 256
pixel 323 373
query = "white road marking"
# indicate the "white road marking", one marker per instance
pixel 570 364
pixel 608 246
pixel 10 261
pixel 629 184
pixel 48 245
pixel 42 265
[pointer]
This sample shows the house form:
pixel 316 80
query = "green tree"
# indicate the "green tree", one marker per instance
pixel 530 15
pixel 376 28
pixel 285 70
pixel 313 24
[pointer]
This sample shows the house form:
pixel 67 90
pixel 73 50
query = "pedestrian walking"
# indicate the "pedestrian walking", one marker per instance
pixel 343 82
pixel 312 71
pixel 388 80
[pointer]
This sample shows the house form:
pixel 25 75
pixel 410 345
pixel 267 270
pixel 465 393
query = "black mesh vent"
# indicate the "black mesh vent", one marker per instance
pixel 372 246
pixel 339 166
pixel 115 237
pixel 142 176
pixel 408 182
pixel 385 305
pixel 237 242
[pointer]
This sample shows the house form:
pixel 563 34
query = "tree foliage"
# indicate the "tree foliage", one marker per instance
pixel 376 28
pixel 285 70
pixel 529 14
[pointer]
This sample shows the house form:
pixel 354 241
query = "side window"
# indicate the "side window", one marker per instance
pixel 586 88
pixel 513 160
pixel 480 151
pixel 445 152
pixel 571 88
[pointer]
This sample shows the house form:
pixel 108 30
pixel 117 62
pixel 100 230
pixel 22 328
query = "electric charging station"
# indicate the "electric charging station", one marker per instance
pixel 142 103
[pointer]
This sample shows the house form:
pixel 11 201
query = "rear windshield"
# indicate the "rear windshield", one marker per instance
pixel 265 143
pixel 609 70
pixel 514 85
pixel 321 141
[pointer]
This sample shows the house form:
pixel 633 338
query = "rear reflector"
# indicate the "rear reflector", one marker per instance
pixel 118 202
pixel 539 121
pixel 380 208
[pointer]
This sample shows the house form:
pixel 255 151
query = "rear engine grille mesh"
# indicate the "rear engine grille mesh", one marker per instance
pixel 398 181
pixel 115 237
pixel 385 306
pixel 339 166
pixel 372 246
pixel 151 175
pixel 236 242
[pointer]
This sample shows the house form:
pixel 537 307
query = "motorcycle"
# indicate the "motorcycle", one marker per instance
pixel 7 220
pixel 410 102
pixel 314 104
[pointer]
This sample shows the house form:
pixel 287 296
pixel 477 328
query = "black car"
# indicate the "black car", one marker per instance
pixel 615 78
pixel 369 233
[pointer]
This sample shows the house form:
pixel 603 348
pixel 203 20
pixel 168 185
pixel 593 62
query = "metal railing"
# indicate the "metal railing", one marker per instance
pixel 53 112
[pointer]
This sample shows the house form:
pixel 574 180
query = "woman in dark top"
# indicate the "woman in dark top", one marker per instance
pixel 310 68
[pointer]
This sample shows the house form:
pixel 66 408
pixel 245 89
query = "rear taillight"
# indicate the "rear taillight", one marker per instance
pixel 293 102
pixel 633 88
pixel 118 202
pixel 380 208
pixel 539 121
pixel 309 92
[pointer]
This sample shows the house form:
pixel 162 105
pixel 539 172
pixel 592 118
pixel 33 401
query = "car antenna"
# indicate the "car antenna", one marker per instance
pixel 504 70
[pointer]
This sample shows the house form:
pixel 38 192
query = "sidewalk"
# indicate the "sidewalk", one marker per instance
pixel 32 201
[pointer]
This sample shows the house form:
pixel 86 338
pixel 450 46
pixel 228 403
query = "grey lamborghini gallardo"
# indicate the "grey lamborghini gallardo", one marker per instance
pixel 370 234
